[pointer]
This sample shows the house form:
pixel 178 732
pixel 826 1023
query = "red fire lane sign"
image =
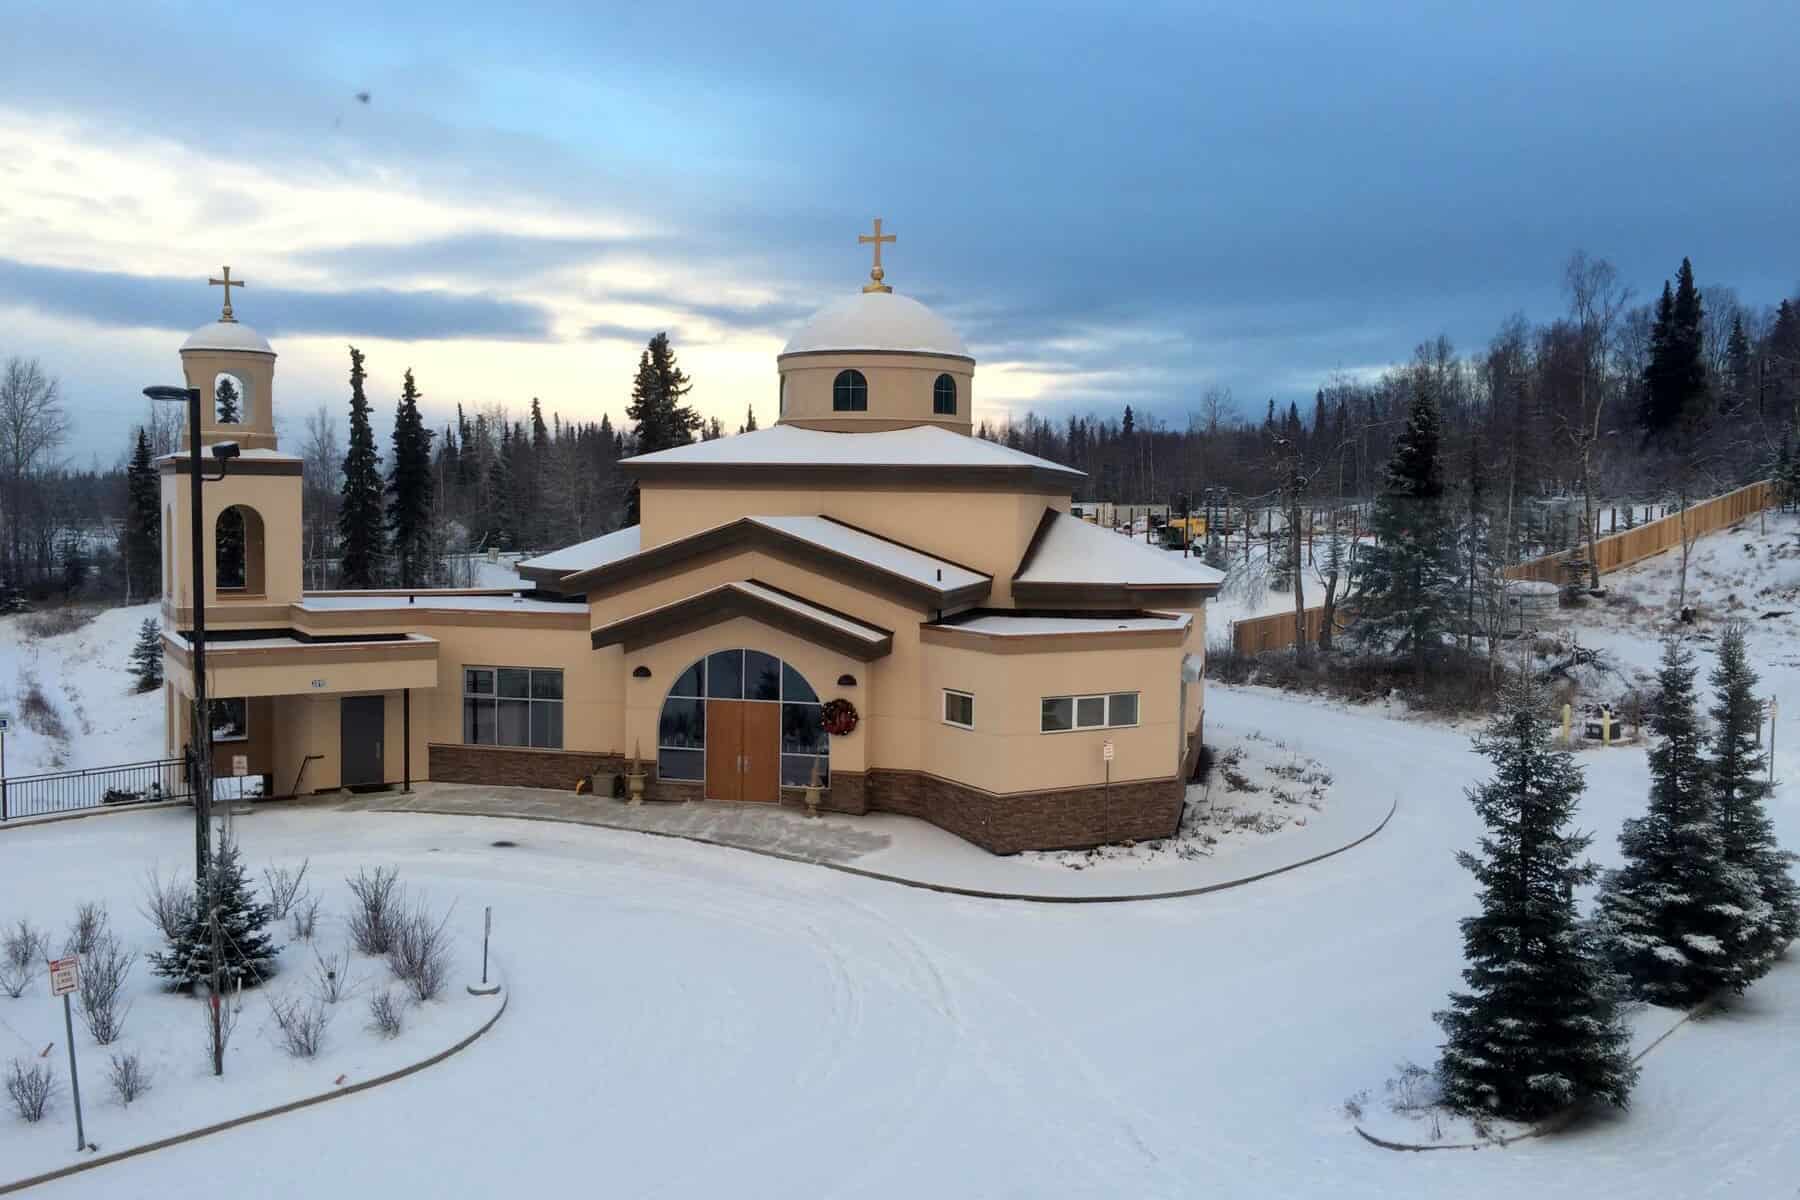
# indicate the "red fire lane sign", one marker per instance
pixel 65 975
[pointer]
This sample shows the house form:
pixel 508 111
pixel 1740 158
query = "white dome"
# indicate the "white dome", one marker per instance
pixel 877 321
pixel 227 335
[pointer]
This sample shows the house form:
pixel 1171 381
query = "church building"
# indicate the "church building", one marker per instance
pixel 862 597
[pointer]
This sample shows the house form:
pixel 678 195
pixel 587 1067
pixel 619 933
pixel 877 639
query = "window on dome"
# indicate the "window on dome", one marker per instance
pixel 943 396
pixel 850 392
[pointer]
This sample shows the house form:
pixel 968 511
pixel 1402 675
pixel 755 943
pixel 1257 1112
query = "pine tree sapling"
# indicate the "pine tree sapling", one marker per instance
pixel 147 656
pixel 1538 1029
pixel 1740 785
pixel 248 951
pixel 1678 919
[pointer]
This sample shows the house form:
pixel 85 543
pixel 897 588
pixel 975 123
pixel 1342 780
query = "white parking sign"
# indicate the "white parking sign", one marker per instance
pixel 65 975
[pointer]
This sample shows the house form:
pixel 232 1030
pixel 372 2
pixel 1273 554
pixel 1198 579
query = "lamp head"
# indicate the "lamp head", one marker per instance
pixel 225 451
pixel 164 392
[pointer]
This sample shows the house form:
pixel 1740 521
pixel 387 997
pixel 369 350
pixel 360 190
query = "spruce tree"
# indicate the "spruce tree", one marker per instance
pixel 226 402
pixel 1538 1028
pixel 1739 787
pixel 409 491
pixel 749 419
pixel 146 656
pixel 1406 581
pixel 143 521
pixel 359 515
pixel 249 952
pixel 662 420
pixel 1678 918
pixel 499 529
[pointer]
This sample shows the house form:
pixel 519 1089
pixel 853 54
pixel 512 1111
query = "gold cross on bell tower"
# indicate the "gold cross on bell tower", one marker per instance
pixel 875 273
pixel 227 283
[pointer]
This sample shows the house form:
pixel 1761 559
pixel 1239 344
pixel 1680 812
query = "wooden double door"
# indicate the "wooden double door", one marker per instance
pixel 743 750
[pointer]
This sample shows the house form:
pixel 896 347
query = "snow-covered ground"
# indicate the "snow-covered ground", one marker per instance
pixel 75 862
pixel 690 1021
pixel 85 676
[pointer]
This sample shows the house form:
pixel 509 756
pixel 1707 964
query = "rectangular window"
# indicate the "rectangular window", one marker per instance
pixel 1060 714
pixel 230 720
pixel 513 706
pixel 959 709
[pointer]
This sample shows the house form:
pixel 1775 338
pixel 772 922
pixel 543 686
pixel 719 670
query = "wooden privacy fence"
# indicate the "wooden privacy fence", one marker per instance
pixel 1276 631
pixel 1617 550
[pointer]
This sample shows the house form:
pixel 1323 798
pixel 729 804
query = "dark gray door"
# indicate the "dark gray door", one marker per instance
pixel 362 721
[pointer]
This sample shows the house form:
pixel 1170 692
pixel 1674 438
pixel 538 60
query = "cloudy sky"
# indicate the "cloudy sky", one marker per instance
pixel 1114 204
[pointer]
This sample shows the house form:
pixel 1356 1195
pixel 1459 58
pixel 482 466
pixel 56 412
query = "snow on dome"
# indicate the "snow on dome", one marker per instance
pixel 877 321
pixel 227 335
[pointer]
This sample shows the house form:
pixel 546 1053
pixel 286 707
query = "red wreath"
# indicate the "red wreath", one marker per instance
pixel 838 717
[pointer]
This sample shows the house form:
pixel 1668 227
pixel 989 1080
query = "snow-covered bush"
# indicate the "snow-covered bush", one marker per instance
pixel 128 1077
pixel 104 970
pixel 331 975
pixel 420 956
pixel 287 887
pixel 86 930
pixel 168 904
pixel 384 1013
pixel 22 952
pixel 301 1023
pixel 377 911
pixel 304 920
pixel 30 1085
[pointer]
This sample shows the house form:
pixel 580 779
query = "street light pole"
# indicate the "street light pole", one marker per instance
pixel 200 739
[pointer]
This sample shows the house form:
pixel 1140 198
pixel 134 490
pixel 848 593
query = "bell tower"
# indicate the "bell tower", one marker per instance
pixel 227 351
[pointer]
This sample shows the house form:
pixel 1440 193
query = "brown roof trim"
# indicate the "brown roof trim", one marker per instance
pixel 182 464
pixel 1053 481
pixel 419 617
pixel 1116 595
pixel 744 535
pixel 725 602
pixel 963 358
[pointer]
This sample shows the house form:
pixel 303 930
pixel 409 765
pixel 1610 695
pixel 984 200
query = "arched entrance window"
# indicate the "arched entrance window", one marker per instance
pixel 238 558
pixel 744 723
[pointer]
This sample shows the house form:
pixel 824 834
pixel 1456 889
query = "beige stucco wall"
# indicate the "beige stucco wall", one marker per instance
pixel 1006 752
pixel 900 390
pixel 987 531
pixel 255 376
pixel 276 500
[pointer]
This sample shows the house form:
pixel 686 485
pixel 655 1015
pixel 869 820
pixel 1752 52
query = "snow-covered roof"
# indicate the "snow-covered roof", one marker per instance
pixel 228 335
pixel 791 446
pixel 1068 550
pixel 892 557
pixel 877 321
pixel 585 556
pixel 753 599
pixel 435 603
pixel 1038 625
pixel 823 616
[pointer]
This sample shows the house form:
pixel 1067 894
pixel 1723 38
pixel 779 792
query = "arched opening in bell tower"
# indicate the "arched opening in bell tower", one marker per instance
pixel 238 551
pixel 231 399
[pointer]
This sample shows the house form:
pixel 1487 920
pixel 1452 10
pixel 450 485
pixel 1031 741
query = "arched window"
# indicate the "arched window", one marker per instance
pixel 238 551
pixel 850 392
pixel 943 396
pixel 738 676
pixel 781 398
pixel 231 400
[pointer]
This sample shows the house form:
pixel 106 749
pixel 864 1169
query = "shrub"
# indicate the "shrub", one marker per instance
pixel 86 930
pixel 104 970
pixel 128 1077
pixel 30 1087
pixel 301 1024
pixel 377 911
pixel 305 918
pixel 54 622
pixel 286 887
pixel 23 950
pixel 38 713
pixel 384 1013
pixel 168 904
pixel 420 956
pixel 332 975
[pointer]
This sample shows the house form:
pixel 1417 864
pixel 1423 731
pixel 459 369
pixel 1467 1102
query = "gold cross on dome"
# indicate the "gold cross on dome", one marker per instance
pixel 227 283
pixel 875 273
